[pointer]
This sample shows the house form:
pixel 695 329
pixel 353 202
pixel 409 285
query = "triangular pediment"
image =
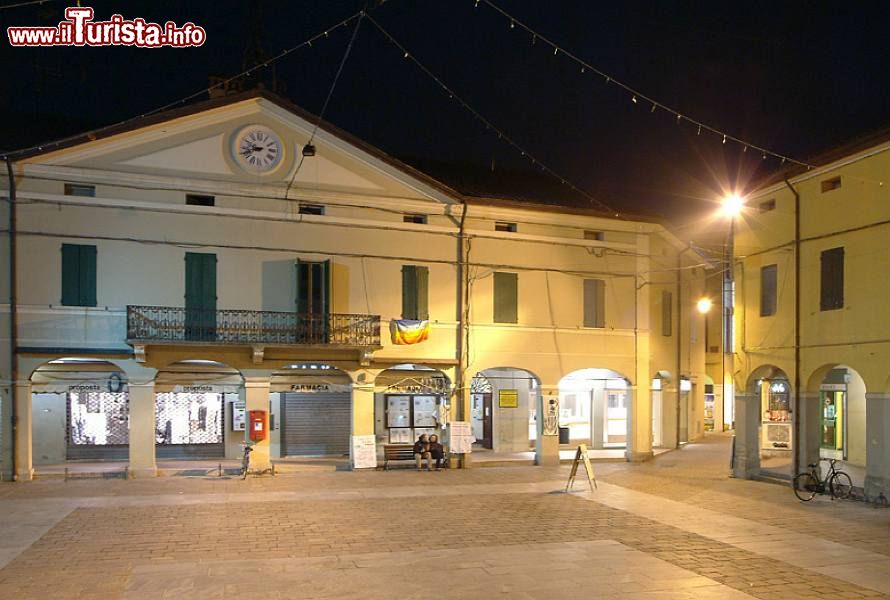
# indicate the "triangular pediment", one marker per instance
pixel 203 144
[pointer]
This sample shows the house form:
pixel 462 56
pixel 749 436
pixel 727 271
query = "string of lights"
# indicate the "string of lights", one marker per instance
pixel 21 4
pixel 220 84
pixel 534 160
pixel 636 96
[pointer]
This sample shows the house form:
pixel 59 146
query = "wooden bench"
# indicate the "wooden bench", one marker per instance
pixel 397 452
pixel 405 452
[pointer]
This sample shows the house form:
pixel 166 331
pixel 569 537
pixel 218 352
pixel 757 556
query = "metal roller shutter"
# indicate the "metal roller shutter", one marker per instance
pixel 315 424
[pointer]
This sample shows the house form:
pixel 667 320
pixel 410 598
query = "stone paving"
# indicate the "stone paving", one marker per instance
pixel 673 528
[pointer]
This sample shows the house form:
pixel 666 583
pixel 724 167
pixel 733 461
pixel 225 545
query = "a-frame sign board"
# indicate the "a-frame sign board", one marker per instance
pixel 581 454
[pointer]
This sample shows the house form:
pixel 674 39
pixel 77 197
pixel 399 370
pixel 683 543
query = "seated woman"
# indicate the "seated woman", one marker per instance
pixel 421 451
pixel 437 451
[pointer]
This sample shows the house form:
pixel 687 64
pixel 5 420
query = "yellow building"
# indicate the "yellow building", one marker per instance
pixel 175 274
pixel 817 389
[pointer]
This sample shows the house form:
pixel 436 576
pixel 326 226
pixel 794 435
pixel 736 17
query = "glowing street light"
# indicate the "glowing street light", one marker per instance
pixel 732 205
pixel 704 305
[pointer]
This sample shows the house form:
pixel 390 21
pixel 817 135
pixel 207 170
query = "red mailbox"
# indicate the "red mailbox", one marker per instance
pixel 257 425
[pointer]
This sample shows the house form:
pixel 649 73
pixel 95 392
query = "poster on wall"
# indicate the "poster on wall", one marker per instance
pixel 461 437
pixel 398 411
pixel 425 411
pixel 400 436
pixel 508 398
pixel 239 409
pixel 364 452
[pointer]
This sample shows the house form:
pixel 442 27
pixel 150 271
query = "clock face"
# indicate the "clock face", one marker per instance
pixel 258 149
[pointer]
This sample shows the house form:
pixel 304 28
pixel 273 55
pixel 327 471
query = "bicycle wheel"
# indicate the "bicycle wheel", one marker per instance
pixel 840 485
pixel 805 486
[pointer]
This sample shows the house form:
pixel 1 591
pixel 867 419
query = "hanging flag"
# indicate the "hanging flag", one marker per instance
pixel 404 331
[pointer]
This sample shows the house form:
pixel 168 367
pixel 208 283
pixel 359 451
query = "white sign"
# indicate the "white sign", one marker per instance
pixel 461 437
pixel 364 452
pixel 239 417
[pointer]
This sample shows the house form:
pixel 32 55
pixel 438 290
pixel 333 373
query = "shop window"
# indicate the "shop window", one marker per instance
pixel 77 189
pixel 832 281
pixel 504 226
pixel 417 219
pixel 768 290
pixel 415 292
pixel 506 296
pixel 831 184
pixel 667 313
pixel 199 200
pixel 311 209
pixel 78 275
pixel 594 235
pixel 594 303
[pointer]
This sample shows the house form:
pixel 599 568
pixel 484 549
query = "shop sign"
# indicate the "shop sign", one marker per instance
pixel 310 387
pixel 508 398
pixel 197 389
pixel 87 387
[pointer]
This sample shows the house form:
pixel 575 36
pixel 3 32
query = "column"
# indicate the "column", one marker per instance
pixel 547 442
pixel 808 415
pixel 7 397
pixel 461 410
pixel 670 413
pixel 257 398
pixel 639 424
pixel 362 414
pixel 877 452
pixel 24 465
pixel 143 427
pixel 747 436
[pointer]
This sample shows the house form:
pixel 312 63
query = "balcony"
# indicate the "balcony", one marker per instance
pixel 167 324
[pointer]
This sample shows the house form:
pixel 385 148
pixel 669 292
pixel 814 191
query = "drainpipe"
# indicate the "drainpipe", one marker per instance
pixel 795 459
pixel 13 320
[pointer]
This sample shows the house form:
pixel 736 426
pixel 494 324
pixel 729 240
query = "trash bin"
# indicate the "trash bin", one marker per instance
pixel 563 435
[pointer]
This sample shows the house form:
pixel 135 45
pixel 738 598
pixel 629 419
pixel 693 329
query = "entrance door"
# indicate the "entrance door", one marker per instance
pixel 200 296
pixel 315 424
pixel 833 405
pixel 684 417
pixel 616 417
pixel 313 301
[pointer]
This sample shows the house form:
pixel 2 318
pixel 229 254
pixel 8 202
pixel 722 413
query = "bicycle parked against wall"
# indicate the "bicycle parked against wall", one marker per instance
pixel 807 484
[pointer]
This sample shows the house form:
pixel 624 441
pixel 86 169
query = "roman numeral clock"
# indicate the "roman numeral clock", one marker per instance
pixel 257 149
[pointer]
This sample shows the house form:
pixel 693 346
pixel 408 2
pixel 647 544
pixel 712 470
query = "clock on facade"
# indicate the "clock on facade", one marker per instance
pixel 257 149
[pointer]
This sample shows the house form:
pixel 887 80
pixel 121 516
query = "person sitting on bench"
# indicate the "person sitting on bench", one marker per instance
pixel 421 451
pixel 437 451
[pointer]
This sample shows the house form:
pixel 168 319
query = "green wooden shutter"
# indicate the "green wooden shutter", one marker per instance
pixel 70 275
pixel 505 297
pixel 302 300
pixel 87 276
pixel 409 292
pixel 423 300
pixel 325 308
pixel 200 281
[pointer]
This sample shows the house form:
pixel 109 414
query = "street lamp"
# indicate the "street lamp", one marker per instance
pixel 704 305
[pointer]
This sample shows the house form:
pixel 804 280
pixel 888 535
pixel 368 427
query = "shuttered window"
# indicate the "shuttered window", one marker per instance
pixel 415 292
pixel 768 283
pixel 506 296
pixel 667 313
pixel 594 303
pixel 78 275
pixel 832 288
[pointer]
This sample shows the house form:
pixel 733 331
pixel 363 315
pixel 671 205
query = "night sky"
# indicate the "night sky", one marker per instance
pixel 796 77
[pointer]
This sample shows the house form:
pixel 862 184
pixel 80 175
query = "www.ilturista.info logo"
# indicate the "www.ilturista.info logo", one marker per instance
pixel 79 30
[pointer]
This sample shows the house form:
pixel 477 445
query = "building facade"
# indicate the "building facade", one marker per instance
pixel 811 352
pixel 173 275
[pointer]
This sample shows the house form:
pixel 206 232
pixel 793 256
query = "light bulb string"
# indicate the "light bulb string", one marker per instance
pixel 636 95
pixel 262 65
pixel 406 54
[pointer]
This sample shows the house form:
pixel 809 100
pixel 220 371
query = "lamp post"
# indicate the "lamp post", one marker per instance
pixel 731 208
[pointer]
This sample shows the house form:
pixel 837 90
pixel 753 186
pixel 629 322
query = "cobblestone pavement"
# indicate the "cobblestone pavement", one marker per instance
pixel 455 534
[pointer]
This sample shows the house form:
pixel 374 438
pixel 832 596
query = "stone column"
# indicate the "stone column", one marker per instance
pixel 143 428
pixel 24 465
pixel 547 443
pixel 747 436
pixel 639 423
pixel 362 413
pixel 877 450
pixel 257 398
pixel 670 414
pixel 465 410
pixel 809 414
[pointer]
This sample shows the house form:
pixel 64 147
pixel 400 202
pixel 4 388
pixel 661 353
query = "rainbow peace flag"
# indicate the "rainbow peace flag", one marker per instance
pixel 404 331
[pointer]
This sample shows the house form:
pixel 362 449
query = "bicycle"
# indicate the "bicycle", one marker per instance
pixel 807 484
pixel 245 461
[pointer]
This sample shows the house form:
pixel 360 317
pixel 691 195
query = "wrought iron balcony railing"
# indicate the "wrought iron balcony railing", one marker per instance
pixel 173 324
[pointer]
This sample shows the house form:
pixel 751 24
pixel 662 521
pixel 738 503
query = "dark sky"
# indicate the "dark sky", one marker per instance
pixel 796 77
